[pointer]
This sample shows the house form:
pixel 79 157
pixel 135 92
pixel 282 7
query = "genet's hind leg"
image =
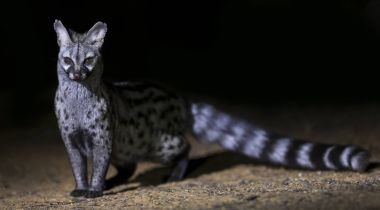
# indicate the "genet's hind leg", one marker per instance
pixel 124 172
pixel 180 166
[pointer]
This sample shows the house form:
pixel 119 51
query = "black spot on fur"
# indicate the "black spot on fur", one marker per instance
pixel 171 108
pixel 175 120
pixel 123 121
pixel 132 121
pixel 66 114
pixel 89 113
pixel 166 138
pixel 93 134
pixel 162 115
pixel 140 115
pixel 58 114
pixel 92 127
pixel 141 134
pixel 160 148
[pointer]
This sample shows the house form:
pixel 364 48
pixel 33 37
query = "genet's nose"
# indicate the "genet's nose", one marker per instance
pixel 76 76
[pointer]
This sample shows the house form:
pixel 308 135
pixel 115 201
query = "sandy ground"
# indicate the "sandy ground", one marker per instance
pixel 35 173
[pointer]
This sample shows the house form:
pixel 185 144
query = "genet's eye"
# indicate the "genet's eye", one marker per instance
pixel 67 60
pixel 89 61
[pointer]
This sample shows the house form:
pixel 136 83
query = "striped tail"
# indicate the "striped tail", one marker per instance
pixel 236 135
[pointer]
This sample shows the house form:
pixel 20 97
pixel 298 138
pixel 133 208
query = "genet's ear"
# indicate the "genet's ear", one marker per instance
pixel 63 37
pixel 95 36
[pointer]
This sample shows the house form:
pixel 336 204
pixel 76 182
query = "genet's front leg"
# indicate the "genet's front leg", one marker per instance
pixel 78 163
pixel 101 158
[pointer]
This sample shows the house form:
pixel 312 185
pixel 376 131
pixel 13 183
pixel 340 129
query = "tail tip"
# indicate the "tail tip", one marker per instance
pixel 360 161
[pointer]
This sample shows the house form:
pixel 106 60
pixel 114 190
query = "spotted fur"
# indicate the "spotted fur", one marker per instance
pixel 124 123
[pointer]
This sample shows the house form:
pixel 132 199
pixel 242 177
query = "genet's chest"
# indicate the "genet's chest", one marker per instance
pixel 81 109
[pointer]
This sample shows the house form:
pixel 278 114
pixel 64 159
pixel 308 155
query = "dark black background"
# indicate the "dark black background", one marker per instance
pixel 249 52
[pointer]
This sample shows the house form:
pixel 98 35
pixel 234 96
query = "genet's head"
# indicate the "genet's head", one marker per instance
pixel 79 54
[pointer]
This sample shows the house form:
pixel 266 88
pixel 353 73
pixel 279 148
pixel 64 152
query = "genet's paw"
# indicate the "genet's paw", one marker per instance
pixel 93 194
pixel 78 193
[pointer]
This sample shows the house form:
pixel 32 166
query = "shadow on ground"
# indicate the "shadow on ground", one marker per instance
pixel 203 166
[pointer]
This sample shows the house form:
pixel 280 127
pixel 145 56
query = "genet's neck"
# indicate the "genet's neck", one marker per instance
pixel 81 89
